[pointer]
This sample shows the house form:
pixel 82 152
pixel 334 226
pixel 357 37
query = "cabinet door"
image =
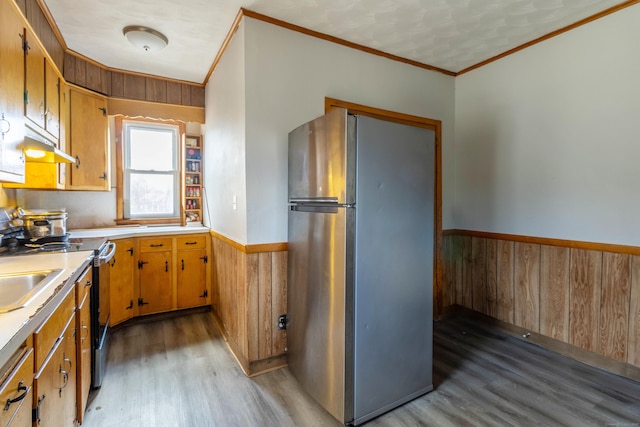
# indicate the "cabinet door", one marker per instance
pixel 11 94
pixel 123 301
pixel 52 100
pixel 83 348
pixel 88 142
pixel 154 277
pixel 54 384
pixel 34 101
pixel 24 415
pixel 16 392
pixel 192 278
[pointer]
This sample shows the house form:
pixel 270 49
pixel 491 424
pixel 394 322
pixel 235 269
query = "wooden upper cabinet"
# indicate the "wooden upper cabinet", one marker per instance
pixel 34 90
pixel 11 94
pixel 52 100
pixel 88 142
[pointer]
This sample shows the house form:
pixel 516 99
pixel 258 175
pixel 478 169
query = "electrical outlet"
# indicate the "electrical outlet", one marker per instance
pixel 282 322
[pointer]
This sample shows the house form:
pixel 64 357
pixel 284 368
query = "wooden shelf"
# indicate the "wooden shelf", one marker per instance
pixel 193 178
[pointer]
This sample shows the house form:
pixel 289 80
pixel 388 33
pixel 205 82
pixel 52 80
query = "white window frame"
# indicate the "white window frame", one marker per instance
pixel 127 126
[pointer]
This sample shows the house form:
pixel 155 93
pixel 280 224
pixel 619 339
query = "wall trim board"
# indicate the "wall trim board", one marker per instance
pixel 436 126
pixel 252 248
pixel 570 27
pixel 573 244
pixel 135 108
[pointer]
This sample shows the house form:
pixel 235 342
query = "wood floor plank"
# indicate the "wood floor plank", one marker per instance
pixel 179 372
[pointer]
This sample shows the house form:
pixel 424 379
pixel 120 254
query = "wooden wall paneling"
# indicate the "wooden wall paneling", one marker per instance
pixel 80 72
pixel 614 305
pixel 253 304
pixel 464 293
pixel 93 77
pixel 278 300
pixel 185 96
pixel 240 300
pixel 215 287
pixel 449 271
pixel 69 69
pixel 584 312
pixel 105 78
pixel 197 96
pixel 22 4
pixel 174 93
pixel 505 286
pixel 264 308
pixel 156 90
pixel 134 87
pixel 492 277
pixel 633 346
pixel 554 292
pixel 117 86
pixel 527 286
pixel 479 274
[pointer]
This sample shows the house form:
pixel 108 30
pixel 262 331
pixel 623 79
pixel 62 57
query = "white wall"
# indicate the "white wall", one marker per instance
pixel 288 76
pixel 224 144
pixel 548 141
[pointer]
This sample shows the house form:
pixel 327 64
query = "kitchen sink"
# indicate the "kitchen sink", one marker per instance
pixel 18 289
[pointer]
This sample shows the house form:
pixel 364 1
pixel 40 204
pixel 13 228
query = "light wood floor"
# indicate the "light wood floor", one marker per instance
pixel 179 372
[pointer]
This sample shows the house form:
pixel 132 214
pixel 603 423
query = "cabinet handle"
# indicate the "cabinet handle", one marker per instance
pixel 67 360
pixel 130 305
pixel 114 262
pixel 104 111
pixel 190 243
pixel 156 245
pixel 205 294
pixel 205 259
pixel 141 302
pixel 166 266
pixel 130 250
pixel 86 328
pixel 77 162
pixel 37 410
pixel 182 264
pixel 103 176
pixel 65 378
pixel 21 387
pixel 87 283
pixel 141 263
pixel 5 126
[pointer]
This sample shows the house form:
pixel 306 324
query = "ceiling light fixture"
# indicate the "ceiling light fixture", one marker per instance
pixel 145 38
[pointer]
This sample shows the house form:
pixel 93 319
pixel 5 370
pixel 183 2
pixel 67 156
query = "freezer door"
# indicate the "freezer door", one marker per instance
pixel 316 302
pixel 394 265
pixel 321 159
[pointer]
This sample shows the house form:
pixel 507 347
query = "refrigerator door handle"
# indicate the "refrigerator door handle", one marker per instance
pixel 313 200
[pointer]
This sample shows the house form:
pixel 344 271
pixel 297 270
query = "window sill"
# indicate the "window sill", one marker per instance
pixel 150 221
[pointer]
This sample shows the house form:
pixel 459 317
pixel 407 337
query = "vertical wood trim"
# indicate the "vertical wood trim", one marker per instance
pixel 506 285
pixel 479 274
pixel 465 296
pixel 614 307
pixel 449 274
pixel 492 277
pixel 586 279
pixel 554 292
pixel 633 350
pixel 241 302
pixel 279 300
pixel 264 309
pixel 253 303
pixel 527 286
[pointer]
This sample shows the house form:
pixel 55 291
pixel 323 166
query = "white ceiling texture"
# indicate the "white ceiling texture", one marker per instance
pixel 448 34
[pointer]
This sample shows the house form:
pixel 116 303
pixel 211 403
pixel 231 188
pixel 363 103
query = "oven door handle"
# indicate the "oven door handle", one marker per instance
pixel 110 252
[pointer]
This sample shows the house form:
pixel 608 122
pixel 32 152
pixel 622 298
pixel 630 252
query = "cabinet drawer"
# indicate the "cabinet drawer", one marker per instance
pixel 17 387
pixel 83 284
pixel 192 242
pixel 51 329
pixel 155 244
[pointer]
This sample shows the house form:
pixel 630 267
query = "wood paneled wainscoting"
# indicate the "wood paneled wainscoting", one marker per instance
pixel 581 299
pixel 249 293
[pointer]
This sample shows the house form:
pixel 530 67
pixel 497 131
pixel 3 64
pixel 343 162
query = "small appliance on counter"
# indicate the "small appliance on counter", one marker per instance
pixel 25 232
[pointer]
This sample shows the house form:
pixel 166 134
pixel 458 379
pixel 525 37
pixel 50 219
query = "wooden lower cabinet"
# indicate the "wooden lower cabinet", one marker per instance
pixel 55 382
pixel 158 274
pixel 122 293
pixel 83 344
pixel 154 279
pixel 193 266
pixel 16 392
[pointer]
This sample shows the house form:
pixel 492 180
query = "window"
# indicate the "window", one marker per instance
pixel 151 171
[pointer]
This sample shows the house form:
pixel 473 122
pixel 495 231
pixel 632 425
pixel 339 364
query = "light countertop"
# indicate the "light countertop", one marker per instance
pixel 17 325
pixel 124 232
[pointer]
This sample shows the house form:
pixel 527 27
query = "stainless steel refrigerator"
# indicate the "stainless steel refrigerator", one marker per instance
pixel 360 269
